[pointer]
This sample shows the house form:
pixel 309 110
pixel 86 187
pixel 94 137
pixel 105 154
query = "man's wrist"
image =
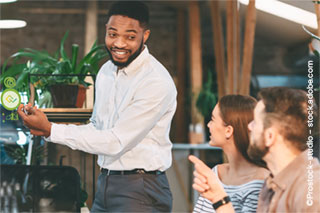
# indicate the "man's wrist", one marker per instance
pixel 48 130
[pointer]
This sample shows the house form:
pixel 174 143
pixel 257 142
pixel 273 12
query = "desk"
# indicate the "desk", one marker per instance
pixel 194 149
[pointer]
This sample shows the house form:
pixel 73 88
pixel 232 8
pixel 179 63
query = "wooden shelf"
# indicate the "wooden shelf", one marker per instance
pixel 67 114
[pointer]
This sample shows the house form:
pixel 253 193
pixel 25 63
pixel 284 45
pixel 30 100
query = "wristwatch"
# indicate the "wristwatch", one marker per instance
pixel 221 202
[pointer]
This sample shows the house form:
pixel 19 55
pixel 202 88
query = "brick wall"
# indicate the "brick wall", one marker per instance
pixel 46 27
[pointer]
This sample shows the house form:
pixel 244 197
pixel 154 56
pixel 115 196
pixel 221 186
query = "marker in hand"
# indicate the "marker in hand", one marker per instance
pixel 27 109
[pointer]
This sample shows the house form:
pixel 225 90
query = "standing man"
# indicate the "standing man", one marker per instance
pixel 279 135
pixel 130 124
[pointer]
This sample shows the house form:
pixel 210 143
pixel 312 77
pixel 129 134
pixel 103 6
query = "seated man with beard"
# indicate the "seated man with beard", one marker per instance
pixel 279 136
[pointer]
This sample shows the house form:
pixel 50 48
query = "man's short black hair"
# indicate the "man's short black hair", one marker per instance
pixel 132 9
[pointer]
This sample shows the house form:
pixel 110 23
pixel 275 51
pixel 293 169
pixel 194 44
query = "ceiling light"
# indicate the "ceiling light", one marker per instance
pixel 11 24
pixel 286 11
pixel 7 1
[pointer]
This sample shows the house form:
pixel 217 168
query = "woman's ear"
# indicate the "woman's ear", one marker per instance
pixel 229 132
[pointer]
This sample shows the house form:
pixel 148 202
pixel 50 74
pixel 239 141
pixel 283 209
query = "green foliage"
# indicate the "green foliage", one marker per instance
pixel 19 153
pixel 41 62
pixel 83 197
pixel 207 98
pixel 46 100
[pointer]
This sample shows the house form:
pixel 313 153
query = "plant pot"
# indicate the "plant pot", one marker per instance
pixel 68 96
pixel 82 91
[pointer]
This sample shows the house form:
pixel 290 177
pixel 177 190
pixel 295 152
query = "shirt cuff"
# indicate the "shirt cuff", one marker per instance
pixel 49 139
pixel 54 134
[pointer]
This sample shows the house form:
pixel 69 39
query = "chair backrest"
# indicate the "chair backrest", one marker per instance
pixel 39 189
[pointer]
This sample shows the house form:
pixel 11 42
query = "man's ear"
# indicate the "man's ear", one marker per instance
pixel 270 135
pixel 229 132
pixel 146 35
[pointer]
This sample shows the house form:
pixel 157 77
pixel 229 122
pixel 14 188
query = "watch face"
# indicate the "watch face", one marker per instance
pixel 10 99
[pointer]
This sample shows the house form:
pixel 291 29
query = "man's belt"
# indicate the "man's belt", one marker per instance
pixel 130 172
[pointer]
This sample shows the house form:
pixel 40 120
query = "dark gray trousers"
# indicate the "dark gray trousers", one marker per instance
pixel 132 193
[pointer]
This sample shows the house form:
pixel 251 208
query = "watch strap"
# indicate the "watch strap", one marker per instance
pixel 221 202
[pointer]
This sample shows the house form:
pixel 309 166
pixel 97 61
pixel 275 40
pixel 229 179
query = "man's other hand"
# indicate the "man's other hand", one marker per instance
pixel 35 120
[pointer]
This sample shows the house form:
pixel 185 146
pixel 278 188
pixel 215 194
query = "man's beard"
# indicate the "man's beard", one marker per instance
pixel 256 152
pixel 130 59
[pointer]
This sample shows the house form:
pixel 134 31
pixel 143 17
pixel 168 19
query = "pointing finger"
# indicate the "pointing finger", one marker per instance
pixel 199 165
pixel 194 159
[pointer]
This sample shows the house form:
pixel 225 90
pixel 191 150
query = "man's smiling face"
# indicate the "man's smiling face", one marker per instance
pixel 124 39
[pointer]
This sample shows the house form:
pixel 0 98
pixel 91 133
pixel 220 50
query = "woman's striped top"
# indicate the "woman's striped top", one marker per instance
pixel 244 198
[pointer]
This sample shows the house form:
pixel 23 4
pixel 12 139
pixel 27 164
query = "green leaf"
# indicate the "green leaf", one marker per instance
pixel 84 70
pixel 74 55
pixel 64 67
pixel 207 98
pixel 37 56
pixel 86 59
pixel 83 197
pixel 46 100
pixel 101 54
pixel 6 61
pixel 75 80
pixel 13 71
pixel 94 45
pixel 62 51
pixel 23 79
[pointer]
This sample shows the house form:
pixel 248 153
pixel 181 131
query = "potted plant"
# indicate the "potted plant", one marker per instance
pixel 54 73
pixel 206 101
pixel 207 97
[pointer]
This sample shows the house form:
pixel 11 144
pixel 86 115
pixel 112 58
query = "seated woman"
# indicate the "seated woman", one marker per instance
pixel 241 178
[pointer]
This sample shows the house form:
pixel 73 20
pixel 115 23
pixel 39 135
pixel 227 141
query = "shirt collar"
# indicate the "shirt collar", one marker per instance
pixel 136 63
pixel 280 180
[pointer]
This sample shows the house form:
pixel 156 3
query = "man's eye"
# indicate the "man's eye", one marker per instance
pixel 112 35
pixel 131 37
